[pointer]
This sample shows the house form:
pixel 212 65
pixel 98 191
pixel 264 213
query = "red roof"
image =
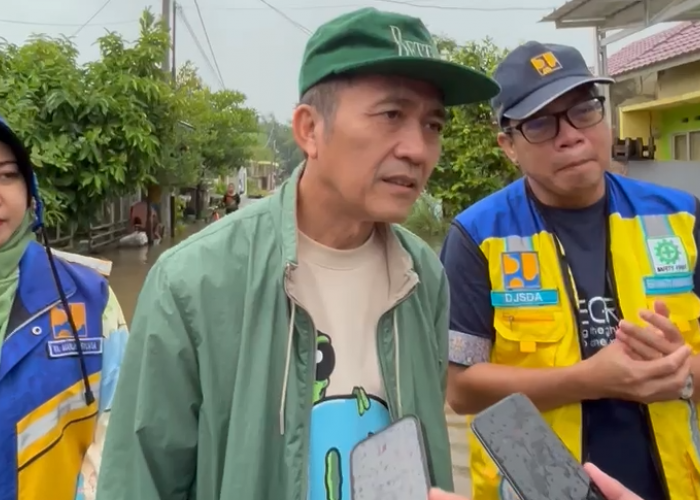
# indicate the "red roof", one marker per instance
pixel 679 40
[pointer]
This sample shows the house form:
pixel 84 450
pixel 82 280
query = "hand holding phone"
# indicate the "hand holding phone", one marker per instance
pixel 611 488
pixel 391 464
pixel 530 457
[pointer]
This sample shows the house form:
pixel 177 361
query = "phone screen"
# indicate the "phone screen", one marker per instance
pixel 529 454
pixel 391 464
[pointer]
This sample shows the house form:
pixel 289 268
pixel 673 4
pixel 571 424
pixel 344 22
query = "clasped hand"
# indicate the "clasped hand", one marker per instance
pixel 645 363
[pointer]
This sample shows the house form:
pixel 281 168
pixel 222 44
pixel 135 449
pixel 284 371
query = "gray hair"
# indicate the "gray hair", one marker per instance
pixel 324 96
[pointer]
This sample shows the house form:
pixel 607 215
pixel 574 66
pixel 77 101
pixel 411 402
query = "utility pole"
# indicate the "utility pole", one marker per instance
pixel 173 74
pixel 168 14
pixel 173 30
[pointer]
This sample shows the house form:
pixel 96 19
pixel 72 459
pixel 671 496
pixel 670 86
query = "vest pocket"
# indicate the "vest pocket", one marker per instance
pixel 527 338
pixel 685 311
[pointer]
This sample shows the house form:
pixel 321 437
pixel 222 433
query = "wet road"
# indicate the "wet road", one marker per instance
pixel 130 267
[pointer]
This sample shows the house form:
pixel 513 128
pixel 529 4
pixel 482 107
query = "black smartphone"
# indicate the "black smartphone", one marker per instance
pixel 391 464
pixel 529 455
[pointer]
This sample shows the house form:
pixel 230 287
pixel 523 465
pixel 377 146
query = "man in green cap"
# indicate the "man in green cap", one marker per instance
pixel 266 346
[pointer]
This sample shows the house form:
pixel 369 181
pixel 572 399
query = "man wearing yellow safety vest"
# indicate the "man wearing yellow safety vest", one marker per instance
pixel 62 335
pixel 543 271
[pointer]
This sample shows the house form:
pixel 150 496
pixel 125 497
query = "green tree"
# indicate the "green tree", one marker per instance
pixel 278 145
pixel 119 124
pixel 95 131
pixel 472 165
pixel 220 133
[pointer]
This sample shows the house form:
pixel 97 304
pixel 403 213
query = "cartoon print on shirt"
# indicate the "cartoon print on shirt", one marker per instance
pixel 338 423
pixel 325 363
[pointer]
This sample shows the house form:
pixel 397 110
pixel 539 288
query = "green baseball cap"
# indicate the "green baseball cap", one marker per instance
pixel 369 41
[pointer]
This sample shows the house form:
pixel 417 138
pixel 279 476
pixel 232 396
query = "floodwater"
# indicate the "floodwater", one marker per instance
pixel 130 267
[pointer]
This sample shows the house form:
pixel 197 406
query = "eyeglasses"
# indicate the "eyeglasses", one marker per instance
pixel 546 127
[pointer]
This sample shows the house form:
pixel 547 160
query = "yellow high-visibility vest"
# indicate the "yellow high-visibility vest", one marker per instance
pixel 654 255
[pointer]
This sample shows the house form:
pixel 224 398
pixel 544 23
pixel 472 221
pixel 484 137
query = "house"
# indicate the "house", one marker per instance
pixel 261 174
pixel 657 91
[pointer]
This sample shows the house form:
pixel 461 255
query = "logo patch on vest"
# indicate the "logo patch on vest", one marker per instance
pixel 64 343
pixel 521 271
pixel 667 255
pixel 522 282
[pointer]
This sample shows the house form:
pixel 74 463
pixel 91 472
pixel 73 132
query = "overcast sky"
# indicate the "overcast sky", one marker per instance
pixel 258 51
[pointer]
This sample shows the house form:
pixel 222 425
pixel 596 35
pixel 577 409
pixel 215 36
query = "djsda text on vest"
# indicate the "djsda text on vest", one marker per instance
pixel 524 298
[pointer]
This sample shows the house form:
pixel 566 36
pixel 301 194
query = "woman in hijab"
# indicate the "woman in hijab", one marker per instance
pixel 62 335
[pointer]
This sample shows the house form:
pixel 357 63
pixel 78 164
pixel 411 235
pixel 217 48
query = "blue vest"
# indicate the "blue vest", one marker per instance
pixel 45 424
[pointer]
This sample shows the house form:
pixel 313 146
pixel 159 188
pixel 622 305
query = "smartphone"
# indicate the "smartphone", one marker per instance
pixel 530 456
pixel 391 464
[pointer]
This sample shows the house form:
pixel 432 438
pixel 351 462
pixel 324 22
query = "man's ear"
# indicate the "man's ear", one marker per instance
pixel 505 141
pixel 306 129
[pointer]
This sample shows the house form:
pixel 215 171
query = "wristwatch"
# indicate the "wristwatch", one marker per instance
pixel 688 389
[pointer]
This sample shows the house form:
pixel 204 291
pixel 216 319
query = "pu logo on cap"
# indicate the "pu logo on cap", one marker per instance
pixel 545 63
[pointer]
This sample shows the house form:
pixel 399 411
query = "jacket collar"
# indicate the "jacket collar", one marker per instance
pixel 283 207
pixel 37 287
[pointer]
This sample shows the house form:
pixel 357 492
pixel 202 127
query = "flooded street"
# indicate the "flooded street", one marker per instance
pixel 130 267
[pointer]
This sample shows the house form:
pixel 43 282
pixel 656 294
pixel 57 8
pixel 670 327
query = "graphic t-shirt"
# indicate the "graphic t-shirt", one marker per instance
pixel 345 292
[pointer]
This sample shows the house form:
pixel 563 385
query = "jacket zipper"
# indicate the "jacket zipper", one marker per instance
pixel 524 319
pixel 391 401
pixel 312 378
pixel 33 317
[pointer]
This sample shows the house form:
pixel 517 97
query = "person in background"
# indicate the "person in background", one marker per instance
pixel 138 219
pixel 62 336
pixel 578 288
pixel 267 345
pixel 232 200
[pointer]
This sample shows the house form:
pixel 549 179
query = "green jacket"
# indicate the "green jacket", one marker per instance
pixel 212 405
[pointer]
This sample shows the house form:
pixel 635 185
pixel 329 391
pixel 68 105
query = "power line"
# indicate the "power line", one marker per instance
pixel 301 27
pixel 197 44
pixel 468 9
pixel 395 2
pixel 293 7
pixel 206 36
pixel 91 18
pixel 66 25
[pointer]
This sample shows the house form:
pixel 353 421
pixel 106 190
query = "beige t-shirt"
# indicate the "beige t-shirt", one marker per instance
pixel 345 292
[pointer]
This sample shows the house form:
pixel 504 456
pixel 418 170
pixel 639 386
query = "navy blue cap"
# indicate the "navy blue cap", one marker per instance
pixel 535 74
